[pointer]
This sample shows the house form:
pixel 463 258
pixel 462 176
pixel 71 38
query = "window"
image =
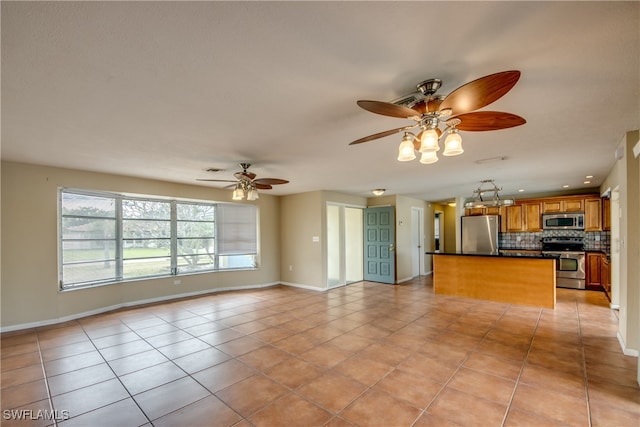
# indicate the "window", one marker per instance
pixel 108 238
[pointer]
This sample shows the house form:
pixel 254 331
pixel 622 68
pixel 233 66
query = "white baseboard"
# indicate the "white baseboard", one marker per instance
pixel 130 304
pixel 625 350
pixel 310 288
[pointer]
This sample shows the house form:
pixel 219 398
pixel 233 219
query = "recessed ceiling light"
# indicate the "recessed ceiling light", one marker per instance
pixel 378 191
pixel 587 182
pixel 521 190
pixel 566 186
pixel 589 176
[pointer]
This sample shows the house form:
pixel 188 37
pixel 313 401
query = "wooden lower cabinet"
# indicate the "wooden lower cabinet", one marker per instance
pixel 593 266
pixel 605 275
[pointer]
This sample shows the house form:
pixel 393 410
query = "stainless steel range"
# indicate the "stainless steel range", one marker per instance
pixel 570 260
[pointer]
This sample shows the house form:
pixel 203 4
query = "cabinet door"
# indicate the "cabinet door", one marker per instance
pixel 474 211
pixel 606 214
pixel 572 206
pixel 493 210
pixel 605 275
pixel 532 217
pixel 593 269
pixel 592 215
pixel 552 206
pixel 514 218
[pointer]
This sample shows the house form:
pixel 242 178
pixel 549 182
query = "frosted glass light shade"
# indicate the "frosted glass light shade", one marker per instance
pixel 252 195
pixel 429 141
pixel 406 151
pixel 428 157
pixel 453 145
pixel 238 193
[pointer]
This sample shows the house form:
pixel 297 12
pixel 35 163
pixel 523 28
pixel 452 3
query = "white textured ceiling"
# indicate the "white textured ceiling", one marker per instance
pixel 166 90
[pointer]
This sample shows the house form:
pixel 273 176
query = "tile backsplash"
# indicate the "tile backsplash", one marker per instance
pixel 594 240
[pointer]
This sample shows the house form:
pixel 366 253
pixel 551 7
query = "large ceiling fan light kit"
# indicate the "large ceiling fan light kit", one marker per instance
pixel 246 184
pixel 455 112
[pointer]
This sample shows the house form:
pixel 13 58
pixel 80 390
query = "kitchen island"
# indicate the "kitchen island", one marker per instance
pixel 509 278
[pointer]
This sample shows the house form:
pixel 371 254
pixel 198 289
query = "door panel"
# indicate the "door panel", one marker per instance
pixel 380 245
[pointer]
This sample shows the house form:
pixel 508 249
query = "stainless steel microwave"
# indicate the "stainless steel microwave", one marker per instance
pixel 563 221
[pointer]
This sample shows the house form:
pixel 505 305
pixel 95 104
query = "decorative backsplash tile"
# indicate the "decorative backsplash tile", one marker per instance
pixel 593 240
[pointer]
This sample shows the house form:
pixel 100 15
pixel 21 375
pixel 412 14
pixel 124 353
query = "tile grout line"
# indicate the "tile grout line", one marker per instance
pixel 46 381
pixel 114 373
pixel 524 364
pixel 435 397
pixel 584 365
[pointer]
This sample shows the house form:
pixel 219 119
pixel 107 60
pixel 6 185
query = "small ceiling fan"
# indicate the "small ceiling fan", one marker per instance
pixel 247 185
pixel 454 112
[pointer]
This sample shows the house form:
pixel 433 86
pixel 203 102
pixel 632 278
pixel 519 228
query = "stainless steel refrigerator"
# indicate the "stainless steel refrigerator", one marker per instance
pixel 480 234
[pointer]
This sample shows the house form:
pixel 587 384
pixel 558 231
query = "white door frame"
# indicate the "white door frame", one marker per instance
pixel 417 242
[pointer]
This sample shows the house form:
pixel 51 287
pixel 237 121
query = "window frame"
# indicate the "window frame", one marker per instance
pixel 119 238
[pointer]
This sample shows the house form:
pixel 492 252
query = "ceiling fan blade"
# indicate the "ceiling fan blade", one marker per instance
pixel 381 134
pixel 481 92
pixel 479 121
pixel 388 109
pixel 263 186
pixel 217 180
pixel 270 181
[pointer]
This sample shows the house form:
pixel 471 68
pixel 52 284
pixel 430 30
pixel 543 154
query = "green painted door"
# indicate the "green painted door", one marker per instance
pixel 379 245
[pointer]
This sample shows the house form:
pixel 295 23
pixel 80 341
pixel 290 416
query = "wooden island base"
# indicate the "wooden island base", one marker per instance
pixel 514 280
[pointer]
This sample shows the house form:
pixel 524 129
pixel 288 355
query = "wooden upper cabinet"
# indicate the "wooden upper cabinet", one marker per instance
pixel 474 211
pixel 532 216
pixel 563 205
pixel 593 214
pixel 606 214
pixel 494 210
pixel 551 206
pixel 514 220
pixel 574 205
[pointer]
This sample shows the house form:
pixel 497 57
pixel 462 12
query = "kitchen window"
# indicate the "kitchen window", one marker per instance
pixel 109 238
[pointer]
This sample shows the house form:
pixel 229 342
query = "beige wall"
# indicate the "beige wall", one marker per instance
pixel 303 217
pixel 30 244
pixel 625 175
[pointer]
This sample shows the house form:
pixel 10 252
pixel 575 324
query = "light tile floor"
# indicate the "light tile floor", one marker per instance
pixel 367 354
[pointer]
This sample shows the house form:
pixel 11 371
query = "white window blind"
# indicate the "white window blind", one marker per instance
pixel 237 229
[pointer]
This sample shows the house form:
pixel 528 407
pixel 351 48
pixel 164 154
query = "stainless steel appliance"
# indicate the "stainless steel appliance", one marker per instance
pixel 570 260
pixel 563 221
pixel 480 234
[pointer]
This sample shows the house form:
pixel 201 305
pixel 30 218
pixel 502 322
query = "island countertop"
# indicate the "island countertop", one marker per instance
pixel 500 255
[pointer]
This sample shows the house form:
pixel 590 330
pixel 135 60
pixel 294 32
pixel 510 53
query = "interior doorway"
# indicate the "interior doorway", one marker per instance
pixel 417 241
pixel 615 248
pixel 344 245
pixel 438 231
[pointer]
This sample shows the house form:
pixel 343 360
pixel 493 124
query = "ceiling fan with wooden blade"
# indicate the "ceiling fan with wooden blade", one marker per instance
pixel 247 184
pixel 456 111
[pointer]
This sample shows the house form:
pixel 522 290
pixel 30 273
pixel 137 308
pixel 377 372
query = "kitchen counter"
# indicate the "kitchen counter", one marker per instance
pixel 528 279
pixel 520 254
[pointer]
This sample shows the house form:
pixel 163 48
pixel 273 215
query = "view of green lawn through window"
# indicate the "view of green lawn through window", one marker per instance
pixel 111 237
